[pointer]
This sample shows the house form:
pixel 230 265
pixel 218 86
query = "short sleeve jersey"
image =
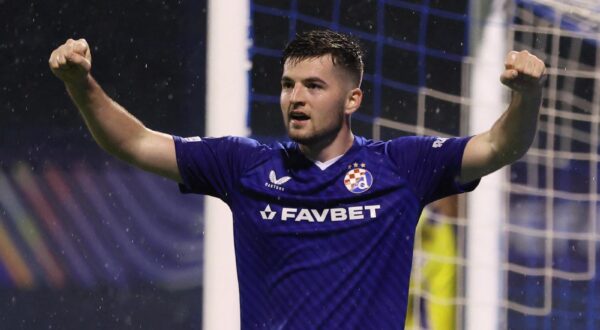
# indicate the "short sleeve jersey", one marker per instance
pixel 327 249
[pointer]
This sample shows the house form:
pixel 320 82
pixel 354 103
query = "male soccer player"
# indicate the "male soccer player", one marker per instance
pixel 323 225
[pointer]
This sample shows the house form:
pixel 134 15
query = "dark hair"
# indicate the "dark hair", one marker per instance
pixel 345 50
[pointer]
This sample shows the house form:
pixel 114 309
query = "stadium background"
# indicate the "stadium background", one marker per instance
pixel 86 241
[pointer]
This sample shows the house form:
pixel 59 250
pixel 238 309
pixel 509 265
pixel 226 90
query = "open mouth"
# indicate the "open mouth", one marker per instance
pixel 299 116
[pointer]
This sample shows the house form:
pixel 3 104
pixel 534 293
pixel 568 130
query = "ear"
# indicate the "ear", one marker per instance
pixel 353 100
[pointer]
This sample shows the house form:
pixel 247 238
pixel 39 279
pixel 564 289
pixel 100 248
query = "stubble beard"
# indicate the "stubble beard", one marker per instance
pixel 314 138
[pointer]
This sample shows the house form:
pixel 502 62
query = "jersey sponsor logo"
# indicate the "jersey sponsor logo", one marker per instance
pixel 358 179
pixel 267 213
pixel 192 139
pixel 336 214
pixel 277 183
pixel 439 142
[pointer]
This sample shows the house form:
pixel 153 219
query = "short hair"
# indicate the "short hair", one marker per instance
pixel 344 49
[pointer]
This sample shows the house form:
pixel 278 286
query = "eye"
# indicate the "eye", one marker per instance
pixel 313 86
pixel 287 84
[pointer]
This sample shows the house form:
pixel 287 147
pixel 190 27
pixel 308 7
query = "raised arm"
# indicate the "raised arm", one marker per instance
pixel 512 134
pixel 113 128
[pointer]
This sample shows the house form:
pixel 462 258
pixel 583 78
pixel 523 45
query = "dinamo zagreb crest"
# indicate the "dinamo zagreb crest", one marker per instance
pixel 358 179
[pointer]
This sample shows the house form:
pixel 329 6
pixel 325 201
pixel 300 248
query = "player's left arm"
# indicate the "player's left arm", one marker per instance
pixel 512 134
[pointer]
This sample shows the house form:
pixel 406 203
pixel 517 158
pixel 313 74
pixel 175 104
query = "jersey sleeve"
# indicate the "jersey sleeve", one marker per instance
pixel 431 165
pixel 212 166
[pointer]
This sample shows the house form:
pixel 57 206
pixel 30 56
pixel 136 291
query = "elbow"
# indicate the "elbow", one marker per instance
pixel 114 150
pixel 124 149
pixel 509 154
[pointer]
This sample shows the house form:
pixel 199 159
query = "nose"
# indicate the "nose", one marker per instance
pixel 297 96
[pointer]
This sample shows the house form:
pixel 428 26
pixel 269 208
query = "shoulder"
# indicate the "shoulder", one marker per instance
pixel 232 151
pixel 405 150
pixel 251 149
pixel 239 140
pixel 401 140
pixel 220 144
pixel 415 143
pixel 397 144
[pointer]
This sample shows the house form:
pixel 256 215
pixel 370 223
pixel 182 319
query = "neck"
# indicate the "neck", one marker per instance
pixel 329 149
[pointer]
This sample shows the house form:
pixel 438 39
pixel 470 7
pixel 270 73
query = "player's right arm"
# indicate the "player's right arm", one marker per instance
pixel 113 128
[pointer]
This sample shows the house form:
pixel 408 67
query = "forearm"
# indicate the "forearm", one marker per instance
pixel 112 127
pixel 512 134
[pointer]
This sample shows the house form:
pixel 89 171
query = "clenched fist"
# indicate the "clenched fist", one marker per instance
pixel 72 61
pixel 523 71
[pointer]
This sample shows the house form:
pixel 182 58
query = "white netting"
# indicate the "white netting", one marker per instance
pixel 552 230
pixel 437 281
pixel 551 227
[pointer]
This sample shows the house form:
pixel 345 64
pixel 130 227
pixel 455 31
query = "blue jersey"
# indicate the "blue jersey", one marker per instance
pixel 325 248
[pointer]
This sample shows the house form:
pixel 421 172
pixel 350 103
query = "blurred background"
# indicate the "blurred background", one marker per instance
pixel 86 241
pixel 89 242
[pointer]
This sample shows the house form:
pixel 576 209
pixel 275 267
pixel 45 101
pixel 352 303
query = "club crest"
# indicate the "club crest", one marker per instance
pixel 358 179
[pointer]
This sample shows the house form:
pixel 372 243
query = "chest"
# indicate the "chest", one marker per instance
pixel 276 198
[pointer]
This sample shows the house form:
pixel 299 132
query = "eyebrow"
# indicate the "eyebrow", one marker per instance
pixel 307 80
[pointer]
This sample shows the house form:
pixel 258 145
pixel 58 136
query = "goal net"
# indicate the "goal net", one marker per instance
pixel 551 227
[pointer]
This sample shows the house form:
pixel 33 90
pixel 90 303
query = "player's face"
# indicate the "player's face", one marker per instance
pixel 313 99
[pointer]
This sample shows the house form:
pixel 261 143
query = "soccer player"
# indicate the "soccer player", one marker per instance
pixel 324 224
